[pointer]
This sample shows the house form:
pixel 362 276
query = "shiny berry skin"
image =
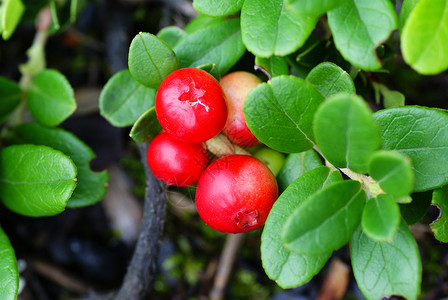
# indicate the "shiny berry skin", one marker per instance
pixel 175 162
pixel 237 86
pixel 190 105
pixel 235 194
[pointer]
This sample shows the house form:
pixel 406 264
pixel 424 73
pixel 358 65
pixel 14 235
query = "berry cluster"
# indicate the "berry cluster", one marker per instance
pixel 234 193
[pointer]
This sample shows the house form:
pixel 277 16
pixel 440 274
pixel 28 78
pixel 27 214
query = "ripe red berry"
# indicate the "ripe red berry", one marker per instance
pixel 190 105
pixel 235 194
pixel 176 162
pixel 237 86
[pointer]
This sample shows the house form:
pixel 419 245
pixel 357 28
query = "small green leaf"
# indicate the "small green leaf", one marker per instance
pixel 50 98
pixel 212 69
pixel 10 97
pixel 271 28
pixel 287 268
pixel 380 218
pixel 147 127
pixel 406 8
pixel 424 39
pixel 390 98
pixel 297 164
pixel 91 186
pixel 393 171
pixel 201 22
pixel 280 113
pixel 12 11
pixel 416 210
pixel 217 7
pixel 440 226
pixel 359 27
pixel 124 99
pixel 422 134
pixel 346 133
pixel 151 60
pixel 9 275
pixel 329 79
pixel 171 35
pixel 274 65
pixel 35 181
pixel 326 220
pixel 314 7
pixel 384 269
pixel 218 44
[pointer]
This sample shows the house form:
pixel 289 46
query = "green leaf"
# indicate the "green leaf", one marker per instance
pixel 12 11
pixel 10 97
pixel 406 8
pixel 390 98
pixel 212 69
pixel 218 44
pixel 50 98
pixel 416 210
pixel 383 269
pixel 329 79
pixel 287 268
pixel 280 113
pixel 359 27
pixel 201 22
pixel 314 7
pixel 393 171
pixel 422 134
pixel 345 131
pixel 171 35
pixel 326 220
pixel 217 7
pixel 151 60
pixel 91 186
pixel 271 28
pixel 440 226
pixel 36 181
pixel 124 99
pixel 274 65
pixel 147 127
pixel 424 39
pixel 9 275
pixel 380 218
pixel 297 164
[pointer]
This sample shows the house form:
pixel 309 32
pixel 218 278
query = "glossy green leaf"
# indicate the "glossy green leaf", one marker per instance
pixel 171 35
pixel 271 28
pixel 9 275
pixel 274 65
pixel 123 99
pixel 422 134
pixel 345 132
pixel 359 27
pixel 201 22
pixel 326 220
pixel 383 269
pixel 440 226
pixel 329 79
pixel 151 60
pixel 217 7
pixel 416 210
pixel 50 98
pixel 10 97
pixel 218 44
pixel 314 7
pixel 36 180
pixel 380 218
pixel 212 69
pixel 147 127
pixel 287 268
pixel 297 164
pixel 91 186
pixel 280 113
pixel 390 98
pixel 424 38
pixel 406 8
pixel 11 13
pixel 393 171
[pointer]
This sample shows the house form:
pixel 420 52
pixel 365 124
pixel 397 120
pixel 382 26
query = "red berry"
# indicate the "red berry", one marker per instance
pixel 190 105
pixel 235 194
pixel 176 162
pixel 237 86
